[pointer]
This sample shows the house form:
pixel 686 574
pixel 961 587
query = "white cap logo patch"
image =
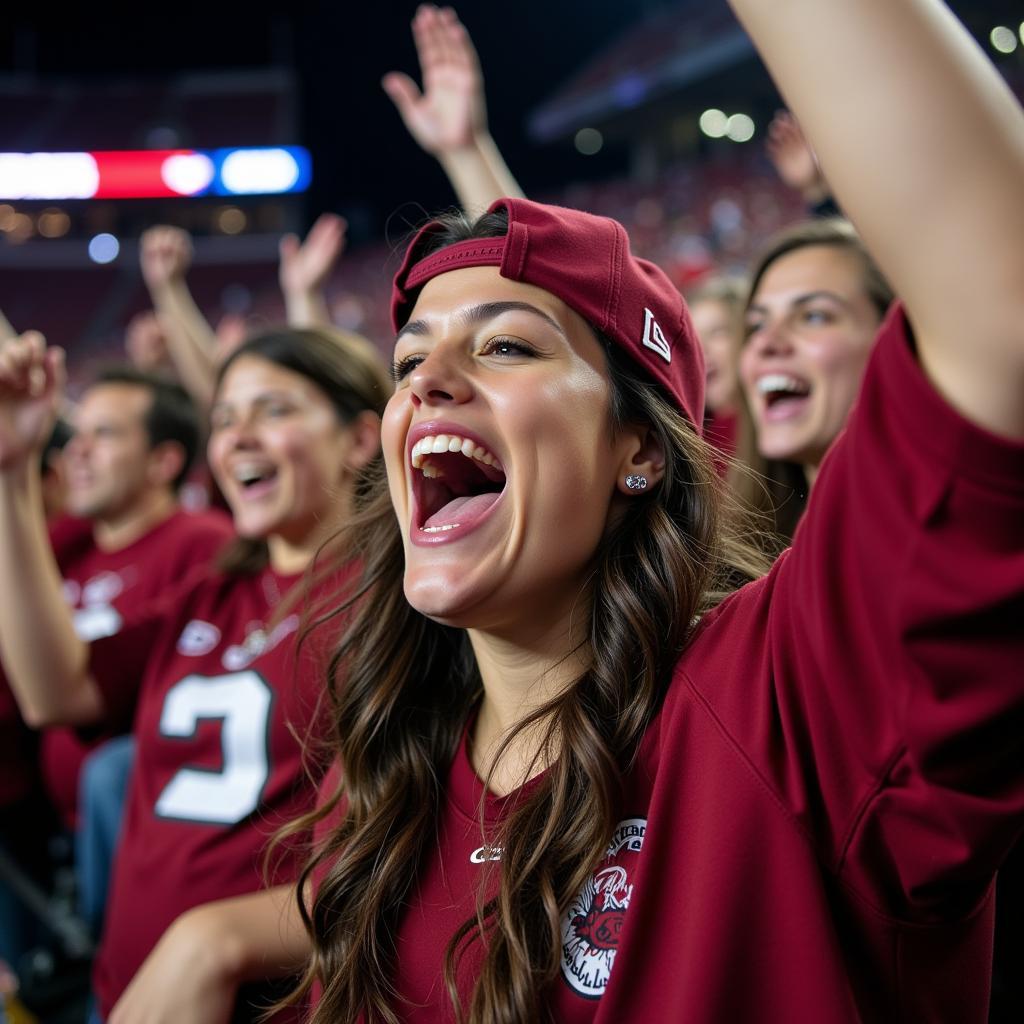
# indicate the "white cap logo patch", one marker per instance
pixel 654 338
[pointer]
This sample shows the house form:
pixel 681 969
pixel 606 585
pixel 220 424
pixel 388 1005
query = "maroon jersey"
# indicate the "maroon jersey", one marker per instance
pixel 225 707
pixel 101 587
pixel 98 585
pixel 812 826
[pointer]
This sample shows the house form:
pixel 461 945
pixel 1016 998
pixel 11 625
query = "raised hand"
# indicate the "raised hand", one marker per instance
pixel 794 158
pixel 305 266
pixel 165 254
pixel 450 112
pixel 31 388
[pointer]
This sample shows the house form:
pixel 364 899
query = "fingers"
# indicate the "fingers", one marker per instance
pixel 22 365
pixel 288 247
pixel 55 370
pixel 459 47
pixel 430 38
pixel 165 251
pixel 403 92
pixel 784 130
pixel 323 246
pixel 328 228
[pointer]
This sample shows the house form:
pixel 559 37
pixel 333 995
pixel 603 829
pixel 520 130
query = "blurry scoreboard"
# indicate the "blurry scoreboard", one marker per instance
pixel 155 173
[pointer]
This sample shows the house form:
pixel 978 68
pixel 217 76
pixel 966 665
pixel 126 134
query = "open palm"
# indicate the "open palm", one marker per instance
pixel 791 154
pixel 306 266
pixel 450 111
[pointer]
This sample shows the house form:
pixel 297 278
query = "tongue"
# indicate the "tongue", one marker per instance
pixel 786 403
pixel 462 510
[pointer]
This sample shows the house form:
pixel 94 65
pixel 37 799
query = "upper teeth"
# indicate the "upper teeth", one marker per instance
pixel 780 382
pixel 435 444
pixel 246 471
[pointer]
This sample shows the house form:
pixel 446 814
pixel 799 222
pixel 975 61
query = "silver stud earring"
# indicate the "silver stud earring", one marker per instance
pixel 636 482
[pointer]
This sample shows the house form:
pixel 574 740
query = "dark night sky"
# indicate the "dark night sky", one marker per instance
pixel 365 163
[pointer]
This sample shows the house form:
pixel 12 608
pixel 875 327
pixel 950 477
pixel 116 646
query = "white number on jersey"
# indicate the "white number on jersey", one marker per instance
pixel 242 702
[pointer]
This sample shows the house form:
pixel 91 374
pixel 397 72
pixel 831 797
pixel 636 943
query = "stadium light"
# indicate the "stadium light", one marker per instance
pixel 740 128
pixel 1003 39
pixel 155 173
pixel 53 223
pixel 188 174
pixel 104 248
pixel 714 123
pixel 589 141
pixel 268 171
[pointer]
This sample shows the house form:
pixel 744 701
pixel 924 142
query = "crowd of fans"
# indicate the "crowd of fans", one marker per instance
pixel 194 646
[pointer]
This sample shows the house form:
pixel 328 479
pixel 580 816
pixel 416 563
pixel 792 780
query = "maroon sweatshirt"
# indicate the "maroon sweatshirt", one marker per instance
pixel 812 826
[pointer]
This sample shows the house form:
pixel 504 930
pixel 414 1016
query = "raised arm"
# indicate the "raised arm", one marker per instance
pixel 166 255
pixel 305 267
pixel 924 146
pixel 46 663
pixel 449 118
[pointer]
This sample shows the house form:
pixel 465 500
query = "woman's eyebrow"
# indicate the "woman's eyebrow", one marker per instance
pixel 821 293
pixel 483 312
pixel 800 300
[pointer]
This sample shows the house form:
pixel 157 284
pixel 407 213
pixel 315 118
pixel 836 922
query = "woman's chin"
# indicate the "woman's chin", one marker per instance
pixel 447 600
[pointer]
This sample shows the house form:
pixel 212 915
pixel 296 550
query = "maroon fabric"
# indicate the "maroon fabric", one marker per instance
pixel 225 706
pixel 155 562
pixel 101 587
pixel 812 825
pixel 584 260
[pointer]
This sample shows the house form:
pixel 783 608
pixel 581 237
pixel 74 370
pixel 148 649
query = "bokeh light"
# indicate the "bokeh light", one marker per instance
pixel 714 123
pixel 589 141
pixel 1003 39
pixel 740 128
pixel 53 222
pixel 104 248
pixel 231 220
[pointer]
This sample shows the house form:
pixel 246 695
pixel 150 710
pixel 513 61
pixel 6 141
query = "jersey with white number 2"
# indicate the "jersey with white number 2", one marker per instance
pixel 226 706
pixel 241 704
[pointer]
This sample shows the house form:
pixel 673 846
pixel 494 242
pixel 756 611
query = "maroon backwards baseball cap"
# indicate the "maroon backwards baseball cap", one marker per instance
pixel 585 261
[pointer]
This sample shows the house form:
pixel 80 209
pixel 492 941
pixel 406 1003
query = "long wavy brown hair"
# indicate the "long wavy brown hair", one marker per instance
pixel 777 487
pixel 401 690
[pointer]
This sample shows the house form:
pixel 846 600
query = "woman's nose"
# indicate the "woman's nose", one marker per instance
pixel 440 379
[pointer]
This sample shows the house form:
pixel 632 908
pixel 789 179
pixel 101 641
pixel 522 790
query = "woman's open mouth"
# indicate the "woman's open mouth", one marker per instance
pixel 784 396
pixel 456 482
pixel 255 479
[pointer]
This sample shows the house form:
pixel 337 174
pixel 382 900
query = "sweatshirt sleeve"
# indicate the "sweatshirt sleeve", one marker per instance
pixel 896 646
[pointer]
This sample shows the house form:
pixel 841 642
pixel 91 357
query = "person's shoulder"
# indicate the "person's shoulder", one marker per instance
pixel 731 635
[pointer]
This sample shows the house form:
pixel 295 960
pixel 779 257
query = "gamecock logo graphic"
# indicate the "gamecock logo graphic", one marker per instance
pixel 593 923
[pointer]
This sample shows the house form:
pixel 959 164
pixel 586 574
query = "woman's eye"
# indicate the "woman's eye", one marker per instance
pixel 401 368
pixel 507 347
pixel 750 329
pixel 817 316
